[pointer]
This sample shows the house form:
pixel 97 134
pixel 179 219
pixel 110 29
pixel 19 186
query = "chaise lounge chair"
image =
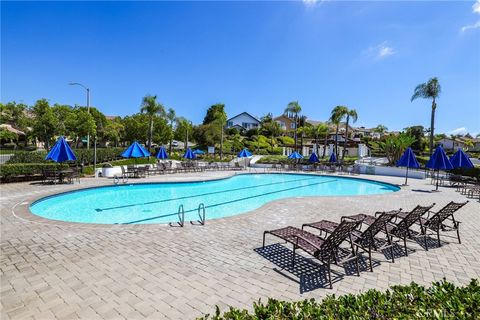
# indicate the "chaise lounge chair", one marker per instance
pixel 402 229
pixel 366 240
pixel 438 221
pixel 324 249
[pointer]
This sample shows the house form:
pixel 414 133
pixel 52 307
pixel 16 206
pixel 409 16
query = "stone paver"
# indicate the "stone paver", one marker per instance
pixel 57 270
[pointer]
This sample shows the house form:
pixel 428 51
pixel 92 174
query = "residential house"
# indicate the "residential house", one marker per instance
pixel 286 123
pixel 450 144
pixel 365 132
pixel 243 121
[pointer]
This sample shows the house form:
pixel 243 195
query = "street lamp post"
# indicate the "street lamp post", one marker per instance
pixel 88 105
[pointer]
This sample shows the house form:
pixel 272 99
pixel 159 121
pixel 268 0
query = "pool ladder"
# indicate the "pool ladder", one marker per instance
pixel 201 215
pixel 181 216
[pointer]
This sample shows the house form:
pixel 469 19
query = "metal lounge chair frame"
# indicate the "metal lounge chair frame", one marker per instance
pixel 366 240
pixel 402 230
pixel 325 250
pixel 436 222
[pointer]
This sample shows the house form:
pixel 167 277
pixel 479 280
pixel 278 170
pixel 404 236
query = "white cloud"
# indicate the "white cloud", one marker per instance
pixel 471 26
pixel 380 51
pixel 461 130
pixel 476 10
pixel 476 7
pixel 385 52
pixel 312 3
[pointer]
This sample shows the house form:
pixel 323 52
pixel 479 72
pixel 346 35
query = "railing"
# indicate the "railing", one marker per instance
pixel 201 215
pixel 181 217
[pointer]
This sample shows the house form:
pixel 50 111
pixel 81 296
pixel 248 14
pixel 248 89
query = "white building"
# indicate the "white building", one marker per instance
pixel 243 121
pixel 451 144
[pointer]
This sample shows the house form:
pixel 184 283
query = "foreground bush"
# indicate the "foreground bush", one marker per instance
pixel 443 300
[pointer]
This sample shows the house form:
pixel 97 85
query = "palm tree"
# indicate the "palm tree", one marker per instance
pixel 302 129
pixel 172 117
pixel 337 115
pixel 151 107
pixel 381 129
pixel 351 113
pixel 320 130
pixel 429 90
pixel 294 108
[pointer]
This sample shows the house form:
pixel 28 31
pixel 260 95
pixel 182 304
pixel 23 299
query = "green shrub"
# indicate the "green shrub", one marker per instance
pixel 443 300
pixel 28 157
pixel 83 156
pixel 286 140
pixel 276 151
pixel 274 159
pixel 10 171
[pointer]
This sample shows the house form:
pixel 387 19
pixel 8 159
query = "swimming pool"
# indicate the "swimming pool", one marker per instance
pixel 159 202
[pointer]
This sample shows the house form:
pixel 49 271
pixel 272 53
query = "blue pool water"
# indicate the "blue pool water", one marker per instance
pixel 159 202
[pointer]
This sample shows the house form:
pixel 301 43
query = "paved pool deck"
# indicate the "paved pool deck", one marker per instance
pixel 58 270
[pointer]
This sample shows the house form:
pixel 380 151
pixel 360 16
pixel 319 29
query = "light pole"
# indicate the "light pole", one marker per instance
pixel 88 106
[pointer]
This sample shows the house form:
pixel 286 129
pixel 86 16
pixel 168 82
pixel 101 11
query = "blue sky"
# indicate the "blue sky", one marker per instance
pixel 252 56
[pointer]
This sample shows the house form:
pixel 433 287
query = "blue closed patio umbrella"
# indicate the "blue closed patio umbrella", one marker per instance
pixel 295 155
pixel 313 158
pixel 333 158
pixel 439 161
pixel 408 160
pixel 189 154
pixel 244 153
pixel 135 151
pixel 461 160
pixel 61 152
pixel 162 154
pixel 198 151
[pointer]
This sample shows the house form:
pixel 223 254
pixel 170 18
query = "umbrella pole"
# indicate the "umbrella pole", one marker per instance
pixel 406 177
pixel 438 176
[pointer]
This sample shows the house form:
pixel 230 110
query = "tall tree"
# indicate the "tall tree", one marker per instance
pixel 214 112
pixel 213 125
pixel 429 90
pixel 152 108
pixel 135 127
pixel 294 108
pixel 337 115
pixel 114 131
pixel 85 124
pixel 45 122
pixel 418 132
pixel 172 118
pixel 184 130
pixel 351 114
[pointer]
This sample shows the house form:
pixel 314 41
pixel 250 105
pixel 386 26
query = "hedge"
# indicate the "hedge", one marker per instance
pixel 443 300
pixel 11 171
pixel 83 156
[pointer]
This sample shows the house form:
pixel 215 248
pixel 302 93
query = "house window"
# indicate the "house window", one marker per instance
pixel 292 125
pixel 245 125
pixel 230 124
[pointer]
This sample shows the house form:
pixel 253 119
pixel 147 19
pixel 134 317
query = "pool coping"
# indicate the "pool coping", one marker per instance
pixel 21 209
